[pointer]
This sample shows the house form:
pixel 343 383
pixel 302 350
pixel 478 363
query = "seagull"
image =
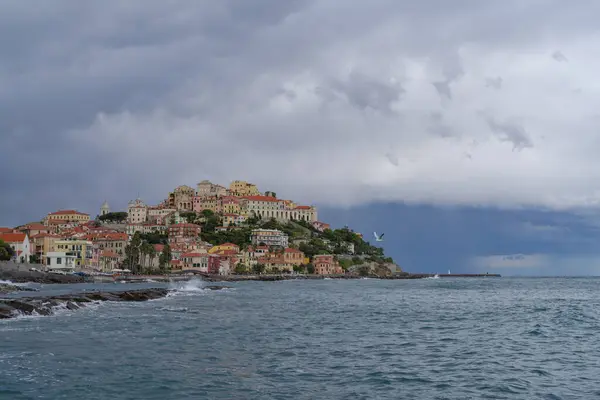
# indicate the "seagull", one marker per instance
pixel 378 238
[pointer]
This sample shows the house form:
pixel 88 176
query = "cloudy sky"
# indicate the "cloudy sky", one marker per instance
pixel 466 130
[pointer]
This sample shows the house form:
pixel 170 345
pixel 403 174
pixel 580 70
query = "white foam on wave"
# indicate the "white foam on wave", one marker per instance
pixel 3 282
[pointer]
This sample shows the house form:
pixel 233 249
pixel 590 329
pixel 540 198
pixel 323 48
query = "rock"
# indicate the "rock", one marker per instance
pixel 10 308
pixel 214 287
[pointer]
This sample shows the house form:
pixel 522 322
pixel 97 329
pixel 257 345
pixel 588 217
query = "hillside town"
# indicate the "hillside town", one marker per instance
pixel 211 229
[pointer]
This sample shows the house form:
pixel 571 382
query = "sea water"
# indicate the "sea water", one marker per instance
pixel 490 338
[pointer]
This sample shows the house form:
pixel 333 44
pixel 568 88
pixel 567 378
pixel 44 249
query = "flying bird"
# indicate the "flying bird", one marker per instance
pixel 378 238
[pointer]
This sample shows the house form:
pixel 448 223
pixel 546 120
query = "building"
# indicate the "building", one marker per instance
pixel 320 226
pixel 233 219
pixel 201 203
pixel 156 213
pixel 269 237
pixel 108 261
pixel 113 242
pixel 243 188
pixel 20 244
pixel 42 244
pixel 7 230
pixel 182 198
pixel 67 216
pixel 208 189
pixel 105 208
pixel 230 205
pixel 137 212
pixel 184 233
pixel 82 250
pixel 293 256
pixel 145 228
pixel 33 229
pixel 196 261
pixel 60 261
pixel 325 264
pixel 267 207
pixel 224 248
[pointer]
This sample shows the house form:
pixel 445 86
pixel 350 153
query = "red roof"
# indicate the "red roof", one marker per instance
pixel 230 215
pixel 108 253
pixel 303 208
pixel 107 236
pixel 193 255
pixel 229 245
pixel 6 230
pixel 185 226
pixel 261 198
pixel 12 237
pixel 66 212
pixel 36 226
pixel 43 235
pixel 291 250
pixel 159 247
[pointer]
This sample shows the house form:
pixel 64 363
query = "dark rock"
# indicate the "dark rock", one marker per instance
pixel 10 308
pixel 214 287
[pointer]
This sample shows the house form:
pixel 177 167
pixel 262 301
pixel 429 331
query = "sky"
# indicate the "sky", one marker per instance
pixel 465 130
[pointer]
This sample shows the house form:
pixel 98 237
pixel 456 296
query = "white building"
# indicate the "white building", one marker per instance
pixel 104 209
pixel 20 244
pixel 60 261
pixel 137 212
pixel 270 237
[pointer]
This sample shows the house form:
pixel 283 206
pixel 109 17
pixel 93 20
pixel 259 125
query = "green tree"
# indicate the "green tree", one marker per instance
pixel 6 252
pixel 207 213
pixel 164 260
pixel 132 253
pixel 189 216
pixel 241 269
pixel 119 216
pixel 34 259
pixel 310 268
pixel 259 268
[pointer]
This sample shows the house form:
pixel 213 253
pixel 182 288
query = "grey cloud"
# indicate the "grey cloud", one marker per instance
pixel 393 159
pixel 495 83
pixel 102 99
pixel 511 132
pixel 558 56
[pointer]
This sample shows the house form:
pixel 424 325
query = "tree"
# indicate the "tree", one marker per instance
pixel 6 252
pixel 241 269
pixel 132 253
pixel 164 260
pixel 259 268
pixel 34 259
pixel 190 216
pixel 207 213
pixel 310 268
pixel 113 216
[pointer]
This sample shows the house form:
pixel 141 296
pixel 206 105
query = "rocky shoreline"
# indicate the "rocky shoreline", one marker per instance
pixel 37 277
pixel 47 305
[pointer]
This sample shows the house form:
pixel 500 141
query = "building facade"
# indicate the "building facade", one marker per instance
pixel 182 198
pixel 269 237
pixel 73 216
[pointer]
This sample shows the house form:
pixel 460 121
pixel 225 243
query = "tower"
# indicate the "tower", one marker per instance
pixel 105 209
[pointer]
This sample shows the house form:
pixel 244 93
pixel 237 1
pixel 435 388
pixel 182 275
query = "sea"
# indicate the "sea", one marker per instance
pixel 446 338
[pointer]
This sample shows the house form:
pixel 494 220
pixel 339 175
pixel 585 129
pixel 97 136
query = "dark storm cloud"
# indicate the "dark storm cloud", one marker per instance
pixel 104 99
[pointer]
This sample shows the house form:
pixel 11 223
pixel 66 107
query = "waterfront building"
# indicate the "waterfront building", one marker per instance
pixel 60 261
pixel 325 264
pixel 20 244
pixel 82 250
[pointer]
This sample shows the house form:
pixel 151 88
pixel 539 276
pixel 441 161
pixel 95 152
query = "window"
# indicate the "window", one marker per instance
pixel 58 260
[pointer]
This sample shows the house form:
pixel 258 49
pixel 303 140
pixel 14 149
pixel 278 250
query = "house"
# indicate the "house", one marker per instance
pixel 230 205
pixel 60 261
pixel 158 212
pixel 82 250
pixel 243 188
pixel 43 243
pixel 201 203
pixel 184 233
pixel 225 247
pixel 275 262
pixel 111 241
pixel 137 212
pixel 34 228
pixel 182 198
pixel 209 189
pixel 320 226
pixel 196 261
pixel 269 237
pixel 20 244
pixel 293 256
pixel 214 264
pixel 73 216
pixel 233 219
pixel 108 261
pixel 325 264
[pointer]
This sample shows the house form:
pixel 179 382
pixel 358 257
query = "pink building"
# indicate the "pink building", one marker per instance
pixel 325 264
pixel 184 233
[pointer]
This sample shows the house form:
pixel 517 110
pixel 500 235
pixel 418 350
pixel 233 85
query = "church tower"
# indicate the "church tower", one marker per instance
pixel 105 209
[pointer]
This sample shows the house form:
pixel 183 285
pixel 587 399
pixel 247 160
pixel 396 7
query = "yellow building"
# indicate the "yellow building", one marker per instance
pixel 230 205
pixel 243 188
pixel 67 216
pixel 83 250
pixel 225 247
